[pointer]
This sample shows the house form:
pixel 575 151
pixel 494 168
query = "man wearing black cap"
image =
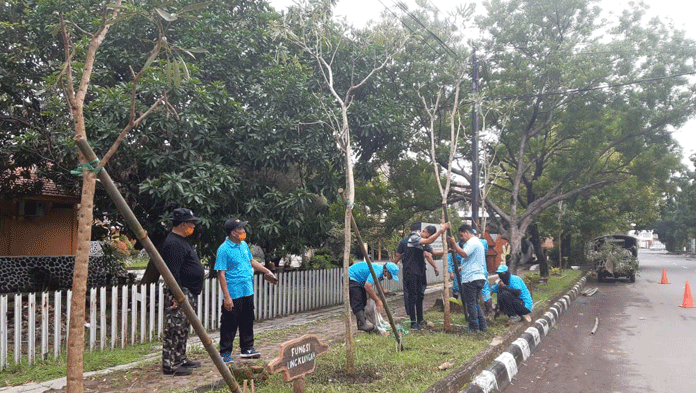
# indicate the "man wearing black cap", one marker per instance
pixel 183 262
pixel 235 266
pixel 412 254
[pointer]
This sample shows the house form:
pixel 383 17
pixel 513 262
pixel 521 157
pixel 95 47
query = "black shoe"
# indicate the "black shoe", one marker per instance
pixel 416 326
pixel 366 326
pixel 362 323
pixel 191 364
pixel 250 353
pixel 177 372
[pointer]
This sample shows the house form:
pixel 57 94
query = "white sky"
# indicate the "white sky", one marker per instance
pixel 681 12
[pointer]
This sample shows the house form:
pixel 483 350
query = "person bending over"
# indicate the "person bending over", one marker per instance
pixel 362 285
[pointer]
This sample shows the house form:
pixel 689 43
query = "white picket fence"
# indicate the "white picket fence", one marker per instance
pixel 32 325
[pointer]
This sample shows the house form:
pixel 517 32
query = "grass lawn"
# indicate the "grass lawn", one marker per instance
pixel 380 368
pixel 19 374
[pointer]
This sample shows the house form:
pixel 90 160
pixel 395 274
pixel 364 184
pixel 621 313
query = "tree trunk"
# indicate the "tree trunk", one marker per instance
pixel 79 287
pixel 350 196
pixel 565 246
pixel 515 240
pixel 447 318
pixel 536 242
pixel 350 356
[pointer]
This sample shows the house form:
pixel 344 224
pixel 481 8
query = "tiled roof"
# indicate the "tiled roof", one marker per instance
pixel 48 186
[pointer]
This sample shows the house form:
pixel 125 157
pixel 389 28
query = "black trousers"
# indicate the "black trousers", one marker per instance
pixel 414 294
pixel 358 296
pixel 241 317
pixel 510 304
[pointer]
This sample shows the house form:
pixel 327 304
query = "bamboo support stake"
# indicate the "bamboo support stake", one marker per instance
pixel 455 264
pixel 380 291
pixel 142 236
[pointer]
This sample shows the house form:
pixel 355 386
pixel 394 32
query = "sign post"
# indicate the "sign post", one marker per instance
pixel 296 359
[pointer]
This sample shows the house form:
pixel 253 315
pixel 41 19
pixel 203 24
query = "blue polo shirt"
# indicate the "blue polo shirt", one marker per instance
pixel 235 260
pixel 360 273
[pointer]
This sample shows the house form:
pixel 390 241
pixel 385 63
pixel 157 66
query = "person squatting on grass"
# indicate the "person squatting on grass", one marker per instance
pixel 183 263
pixel 235 268
pixel 514 298
pixel 472 271
pixel 362 285
pixel 411 253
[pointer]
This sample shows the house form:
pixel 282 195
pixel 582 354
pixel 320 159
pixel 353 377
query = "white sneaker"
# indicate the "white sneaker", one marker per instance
pixel 527 317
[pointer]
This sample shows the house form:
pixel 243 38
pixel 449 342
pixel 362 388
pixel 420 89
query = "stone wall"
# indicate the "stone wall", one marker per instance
pixel 41 273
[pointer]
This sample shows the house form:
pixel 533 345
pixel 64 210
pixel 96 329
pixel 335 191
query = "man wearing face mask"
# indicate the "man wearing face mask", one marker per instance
pixel 235 268
pixel 183 262
pixel 514 298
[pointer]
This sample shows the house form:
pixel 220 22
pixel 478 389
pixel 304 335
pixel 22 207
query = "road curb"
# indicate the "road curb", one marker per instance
pixel 504 368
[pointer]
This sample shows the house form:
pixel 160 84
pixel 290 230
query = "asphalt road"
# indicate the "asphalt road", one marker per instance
pixel 644 341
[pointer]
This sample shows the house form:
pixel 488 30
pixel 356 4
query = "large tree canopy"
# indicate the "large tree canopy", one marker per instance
pixel 571 104
pixel 591 109
pixel 247 139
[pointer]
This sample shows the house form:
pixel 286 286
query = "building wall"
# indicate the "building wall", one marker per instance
pixel 7 209
pixel 54 232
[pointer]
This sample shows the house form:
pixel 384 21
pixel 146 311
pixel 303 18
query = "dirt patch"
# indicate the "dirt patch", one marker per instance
pixel 356 378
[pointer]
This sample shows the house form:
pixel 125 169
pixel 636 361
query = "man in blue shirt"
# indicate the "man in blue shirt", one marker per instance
pixel 514 298
pixel 362 285
pixel 486 290
pixel 473 275
pixel 450 270
pixel 235 267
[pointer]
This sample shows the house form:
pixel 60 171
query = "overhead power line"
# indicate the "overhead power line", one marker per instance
pixel 603 87
pixel 411 15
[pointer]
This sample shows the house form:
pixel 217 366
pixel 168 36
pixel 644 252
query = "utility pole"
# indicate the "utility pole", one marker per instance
pixel 474 148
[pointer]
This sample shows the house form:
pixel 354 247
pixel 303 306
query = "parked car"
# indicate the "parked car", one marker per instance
pixel 658 246
pixel 615 256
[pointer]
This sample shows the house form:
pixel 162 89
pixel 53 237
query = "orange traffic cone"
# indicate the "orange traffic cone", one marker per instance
pixel 664 277
pixel 688 300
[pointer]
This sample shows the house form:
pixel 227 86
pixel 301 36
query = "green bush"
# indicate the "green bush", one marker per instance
pixel 322 258
pixel 531 279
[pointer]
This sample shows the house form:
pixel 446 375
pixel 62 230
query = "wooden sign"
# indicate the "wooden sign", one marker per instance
pixel 296 357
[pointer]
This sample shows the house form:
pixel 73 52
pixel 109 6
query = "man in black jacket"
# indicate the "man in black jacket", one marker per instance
pixel 182 260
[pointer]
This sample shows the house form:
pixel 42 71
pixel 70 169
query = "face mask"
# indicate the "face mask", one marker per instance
pixel 242 236
pixel 505 277
pixel 188 231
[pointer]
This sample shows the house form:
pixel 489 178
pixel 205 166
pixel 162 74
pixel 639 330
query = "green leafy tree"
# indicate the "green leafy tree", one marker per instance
pixel 310 28
pixel 246 143
pixel 676 226
pixel 593 111
pixel 612 210
pixel 242 134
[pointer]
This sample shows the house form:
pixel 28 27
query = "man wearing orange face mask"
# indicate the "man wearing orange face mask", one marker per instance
pixel 182 260
pixel 235 267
